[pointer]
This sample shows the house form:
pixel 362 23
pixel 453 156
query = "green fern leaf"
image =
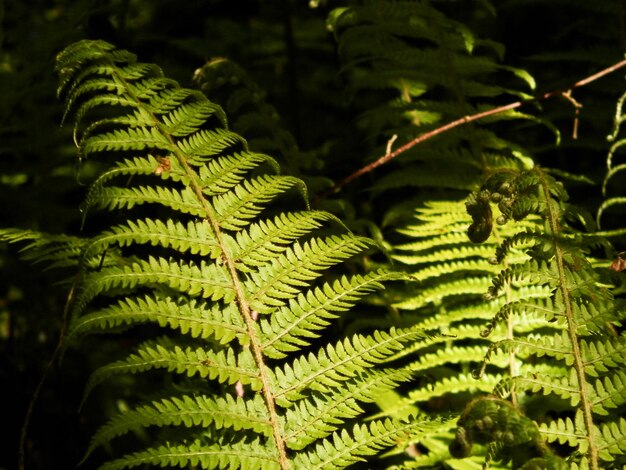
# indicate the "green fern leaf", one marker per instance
pixel 195 238
pixel 261 242
pixel 612 442
pixel 189 411
pixel 198 454
pixel 317 418
pixel 238 286
pixel 291 325
pixel 189 317
pixel 56 250
pixel 580 311
pixel 224 366
pixel 347 448
pixel 331 366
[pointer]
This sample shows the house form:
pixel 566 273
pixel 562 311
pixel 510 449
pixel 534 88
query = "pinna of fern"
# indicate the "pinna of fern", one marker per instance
pixel 579 359
pixel 239 288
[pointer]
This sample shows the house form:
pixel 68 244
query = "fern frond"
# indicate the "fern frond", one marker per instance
pixel 334 364
pixel 416 69
pixel 608 392
pixel 612 443
pixel 452 355
pixel 195 237
pixel 580 311
pixel 456 384
pixel 263 240
pixel 236 208
pixel 602 355
pixel 316 418
pixel 209 143
pixel 468 286
pixel 238 287
pixel 55 250
pixel 113 198
pixel 454 276
pixel 290 271
pixel 204 280
pixel 562 431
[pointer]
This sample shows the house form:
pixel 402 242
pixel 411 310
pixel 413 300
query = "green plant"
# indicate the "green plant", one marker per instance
pixel 438 65
pixel 238 328
pixel 239 284
pixel 433 70
pixel 578 359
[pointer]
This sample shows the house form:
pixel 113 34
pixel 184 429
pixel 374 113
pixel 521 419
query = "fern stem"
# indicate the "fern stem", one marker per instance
pixel 510 325
pixel 246 311
pixel 571 326
pixel 609 233
pixel 510 335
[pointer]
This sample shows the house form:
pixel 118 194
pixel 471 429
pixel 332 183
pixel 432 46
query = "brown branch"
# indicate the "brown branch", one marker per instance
pixel 467 119
pixel 577 106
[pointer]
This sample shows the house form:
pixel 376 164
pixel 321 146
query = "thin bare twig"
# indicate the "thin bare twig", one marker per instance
pixel 390 143
pixel 470 118
pixel 577 106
